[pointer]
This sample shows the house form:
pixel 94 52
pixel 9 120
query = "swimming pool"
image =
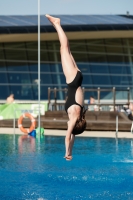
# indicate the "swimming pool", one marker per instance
pixel 101 168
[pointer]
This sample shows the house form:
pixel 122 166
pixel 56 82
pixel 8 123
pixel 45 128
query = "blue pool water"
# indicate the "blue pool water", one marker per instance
pixel 35 169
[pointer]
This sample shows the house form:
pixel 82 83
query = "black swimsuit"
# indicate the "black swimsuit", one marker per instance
pixel 72 87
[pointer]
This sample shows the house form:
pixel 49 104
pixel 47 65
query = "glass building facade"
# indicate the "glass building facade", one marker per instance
pixel 105 63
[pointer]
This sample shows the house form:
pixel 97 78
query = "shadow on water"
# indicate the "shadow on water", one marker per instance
pixel 34 168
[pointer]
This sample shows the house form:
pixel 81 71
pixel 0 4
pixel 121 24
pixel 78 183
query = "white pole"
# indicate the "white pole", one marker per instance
pixel 39 67
pixel 132 128
pixel 116 125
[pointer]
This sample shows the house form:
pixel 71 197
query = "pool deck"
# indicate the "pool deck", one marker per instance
pixel 51 132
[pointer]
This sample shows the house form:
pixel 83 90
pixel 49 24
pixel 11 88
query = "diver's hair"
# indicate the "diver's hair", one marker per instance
pixel 80 124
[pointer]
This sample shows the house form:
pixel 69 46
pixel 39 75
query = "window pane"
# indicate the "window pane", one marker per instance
pixel 79 45
pixel 33 67
pixel 56 68
pixel 23 92
pixel 114 46
pixel 43 91
pixel 2 58
pixel 15 51
pixel 131 51
pixel 121 95
pixel 97 58
pixel 130 69
pixel 80 57
pixel 87 94
pixel 32 51
pixel 6 93
pixel 130 78
pixel 3 78
pixel 106 95
pixel 79 51
pixel 17 66
pixel 43 67
pixel 85 67
pixel 87 80
pixel 101 81
pixel 1 52
pixel 53 52
pixel 95 46
pixel 117 69
pixel 44 52
pixel 19 77
pixel 45 78
pixel 58 79
pixel 2 66
pixel 113 42
pixel 117 59
pixel 120 81
pixel 99 69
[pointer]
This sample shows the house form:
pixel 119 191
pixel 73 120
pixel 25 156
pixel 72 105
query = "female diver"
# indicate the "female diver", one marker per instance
pixel 75 100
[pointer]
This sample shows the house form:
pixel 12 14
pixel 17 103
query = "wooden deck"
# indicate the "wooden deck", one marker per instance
pixel 96 121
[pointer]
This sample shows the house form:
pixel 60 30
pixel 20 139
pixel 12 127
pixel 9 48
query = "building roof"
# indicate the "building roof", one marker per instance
pixel 28 24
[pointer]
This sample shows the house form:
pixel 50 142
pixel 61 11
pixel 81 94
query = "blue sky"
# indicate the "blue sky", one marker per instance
pixel 71 7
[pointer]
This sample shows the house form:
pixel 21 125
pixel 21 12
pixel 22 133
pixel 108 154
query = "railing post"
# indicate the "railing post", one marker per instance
pixel 98 97
pixel 128 95
pixel 83 89
pixel 65 93
pixel 114 97
pixel 49 91
pixel 132 128
pixel 117 125
pixel 55 98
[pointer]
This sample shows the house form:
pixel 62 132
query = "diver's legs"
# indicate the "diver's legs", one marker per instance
pixel 68 64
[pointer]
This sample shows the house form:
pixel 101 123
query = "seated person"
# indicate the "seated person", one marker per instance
pixel 10 99
pixel 91 101
pixel 92 107
pixel 129 110
pixel 130 115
